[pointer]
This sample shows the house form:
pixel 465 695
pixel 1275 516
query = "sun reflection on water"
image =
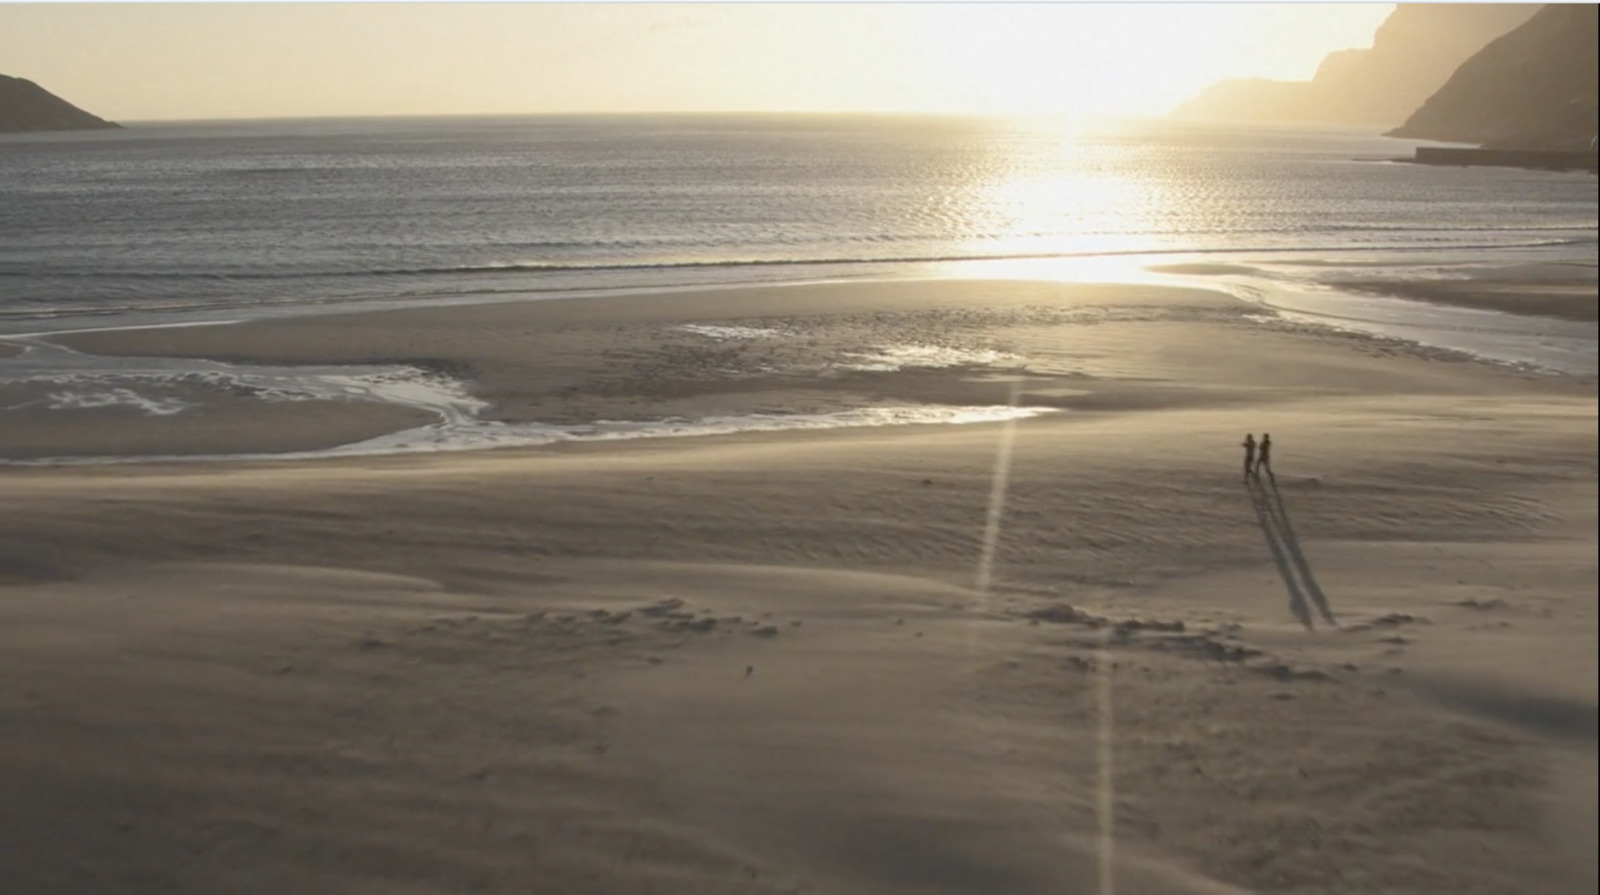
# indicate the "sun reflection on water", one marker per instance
pixel 1064 201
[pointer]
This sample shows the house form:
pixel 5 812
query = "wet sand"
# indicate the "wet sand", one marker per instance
pixel 1567 291
pixel 848 661
pixel 1568 301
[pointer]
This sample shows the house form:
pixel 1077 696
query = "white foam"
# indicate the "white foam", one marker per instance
pixel 97 381
pixel 899 357
pixel 116 397
pixel 475 435
pixel 108 377
pixel 723 333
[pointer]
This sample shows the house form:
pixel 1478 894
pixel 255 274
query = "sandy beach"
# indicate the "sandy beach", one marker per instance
pixel 1075 652
pixel 1565 291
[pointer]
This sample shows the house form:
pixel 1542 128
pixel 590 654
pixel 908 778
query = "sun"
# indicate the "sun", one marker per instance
pixel 1103 59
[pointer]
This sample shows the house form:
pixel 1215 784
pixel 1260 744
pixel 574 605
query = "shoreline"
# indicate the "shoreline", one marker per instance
pixel 1118 267
pixel 1561 290
pixel 1561 301
pixel 638 364
pixel 776 357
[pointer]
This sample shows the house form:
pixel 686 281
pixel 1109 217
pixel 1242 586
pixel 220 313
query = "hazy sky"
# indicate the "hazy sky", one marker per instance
pixel 134 62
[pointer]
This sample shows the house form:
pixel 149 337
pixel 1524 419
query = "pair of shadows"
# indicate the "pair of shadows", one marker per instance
pixel 1304 592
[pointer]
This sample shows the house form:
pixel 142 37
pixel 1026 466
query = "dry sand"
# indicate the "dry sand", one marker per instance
pixel 762 663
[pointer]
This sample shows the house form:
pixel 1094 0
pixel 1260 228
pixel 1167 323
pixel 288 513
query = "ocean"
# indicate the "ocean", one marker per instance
pixel 190 221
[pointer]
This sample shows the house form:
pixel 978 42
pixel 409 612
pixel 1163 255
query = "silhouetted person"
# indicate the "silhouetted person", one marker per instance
pixel 1264 456
pixel 1249 446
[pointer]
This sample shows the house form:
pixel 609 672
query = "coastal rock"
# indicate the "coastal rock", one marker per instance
pixel 1534 88
pixel 1412 54
pixel 25 106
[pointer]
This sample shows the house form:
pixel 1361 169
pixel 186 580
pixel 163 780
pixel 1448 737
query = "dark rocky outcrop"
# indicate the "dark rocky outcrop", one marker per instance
pixel 1534 88
pixel 25 106
pixel 1413 53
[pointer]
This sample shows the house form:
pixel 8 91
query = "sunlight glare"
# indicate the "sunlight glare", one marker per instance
pixel 1085 59
pixel 1071 191
pixel 203 60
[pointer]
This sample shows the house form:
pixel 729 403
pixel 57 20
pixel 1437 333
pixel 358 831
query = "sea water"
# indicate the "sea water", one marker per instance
pixel 196 222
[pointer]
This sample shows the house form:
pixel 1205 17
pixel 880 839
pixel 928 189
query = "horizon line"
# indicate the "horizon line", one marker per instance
pixel 676 113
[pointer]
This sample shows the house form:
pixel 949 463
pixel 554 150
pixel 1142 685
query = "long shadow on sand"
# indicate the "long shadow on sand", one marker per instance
pixel 1265 515
pixel 1291 544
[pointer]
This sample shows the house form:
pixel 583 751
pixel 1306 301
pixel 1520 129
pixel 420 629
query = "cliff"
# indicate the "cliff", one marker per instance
pixel 1413 53
pixel 25 106
pixel 1534 88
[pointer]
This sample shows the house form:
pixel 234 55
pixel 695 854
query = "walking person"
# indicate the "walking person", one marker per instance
pixel 1264 456
pixel 1249 446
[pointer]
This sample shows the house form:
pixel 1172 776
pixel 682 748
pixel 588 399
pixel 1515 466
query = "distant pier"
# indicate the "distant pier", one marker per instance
pixel 1584 160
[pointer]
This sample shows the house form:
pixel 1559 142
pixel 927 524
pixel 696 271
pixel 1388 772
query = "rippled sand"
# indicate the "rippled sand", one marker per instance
pixel 1000 657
